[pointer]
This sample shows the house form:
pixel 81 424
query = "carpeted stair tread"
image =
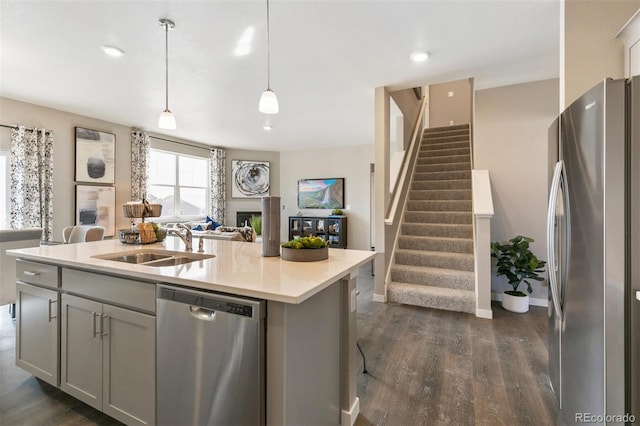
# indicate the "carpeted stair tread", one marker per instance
pixel 435 259
pixel 464 218
pixel 443 167
pixel 440 194
pixel 439 205
pixel 448 244
pixel 437 230
pixel 432 297
pixel 436 277
pixel 465 158
pixel 441 184
pixel 431 147
pixel 464 174
pixel 427 146
pixel 444 152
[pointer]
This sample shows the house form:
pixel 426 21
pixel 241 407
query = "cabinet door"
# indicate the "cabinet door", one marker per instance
pixel 129 369
pixel 81 350
pixel 37 332
pixel 295 227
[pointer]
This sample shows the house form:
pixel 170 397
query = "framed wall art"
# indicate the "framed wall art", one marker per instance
pixel 321 193
pixel 96 205
pixel 95 156
pixel 250 179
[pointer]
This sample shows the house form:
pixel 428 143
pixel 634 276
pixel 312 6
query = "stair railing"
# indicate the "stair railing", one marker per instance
pixel 401 190
pixel 399 193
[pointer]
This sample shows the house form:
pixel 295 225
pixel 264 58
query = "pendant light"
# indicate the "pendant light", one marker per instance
pixel 166 120
pixel 268 101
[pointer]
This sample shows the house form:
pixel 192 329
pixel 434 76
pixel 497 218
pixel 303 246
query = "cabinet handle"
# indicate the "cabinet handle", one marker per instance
pixel 93 318
pixel 102 332
pixel 31 273
pixel 51 317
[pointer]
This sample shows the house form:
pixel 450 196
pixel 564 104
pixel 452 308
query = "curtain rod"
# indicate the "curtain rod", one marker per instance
pixel 182 143
pixel 28 129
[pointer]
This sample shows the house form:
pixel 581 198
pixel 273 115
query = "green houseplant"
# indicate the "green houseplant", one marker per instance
pixel 517 262
pixel 256 223
pixel 305 249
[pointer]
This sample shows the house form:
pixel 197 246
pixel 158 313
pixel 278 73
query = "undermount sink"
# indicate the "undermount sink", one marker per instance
pixel 154 257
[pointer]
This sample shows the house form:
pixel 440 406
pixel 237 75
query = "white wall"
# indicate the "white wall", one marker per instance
pixel 445 110
pixel 62 124
pixel 349 162
pixel 511 141
pixel 591 49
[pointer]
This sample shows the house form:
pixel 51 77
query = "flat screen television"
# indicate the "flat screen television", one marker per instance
pixel 321 193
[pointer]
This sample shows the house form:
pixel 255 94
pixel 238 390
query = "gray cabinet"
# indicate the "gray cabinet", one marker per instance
pixel 37 331
pixel 331 228
pixel 37 325
pixel 107 352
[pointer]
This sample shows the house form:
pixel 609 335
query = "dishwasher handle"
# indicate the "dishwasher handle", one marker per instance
pixel 202 313
pixel 209 302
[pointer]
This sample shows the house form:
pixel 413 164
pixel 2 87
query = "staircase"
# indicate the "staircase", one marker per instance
pixel 434 259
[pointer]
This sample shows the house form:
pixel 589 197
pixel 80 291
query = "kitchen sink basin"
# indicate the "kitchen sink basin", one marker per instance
pixel 155 257
pixel 139 257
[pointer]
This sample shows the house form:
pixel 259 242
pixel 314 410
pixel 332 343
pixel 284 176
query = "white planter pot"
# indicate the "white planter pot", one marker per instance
pixel 519 304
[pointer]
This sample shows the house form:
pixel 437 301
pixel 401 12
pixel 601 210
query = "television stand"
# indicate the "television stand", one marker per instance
pixel 331 228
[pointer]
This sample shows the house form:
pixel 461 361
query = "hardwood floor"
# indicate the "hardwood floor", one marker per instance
pixel 430 367
pixel 426 367
pixel 25 400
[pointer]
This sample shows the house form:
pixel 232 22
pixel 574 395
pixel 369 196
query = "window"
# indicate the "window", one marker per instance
pixel 4 189
pixel 180 183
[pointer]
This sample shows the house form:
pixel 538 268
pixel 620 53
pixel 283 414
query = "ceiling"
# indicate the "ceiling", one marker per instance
pixel 327 57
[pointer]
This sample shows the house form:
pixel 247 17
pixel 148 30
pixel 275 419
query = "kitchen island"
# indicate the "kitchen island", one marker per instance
pixel 310 352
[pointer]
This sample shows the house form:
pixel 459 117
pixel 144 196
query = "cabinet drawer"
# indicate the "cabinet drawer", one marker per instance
pixel 37 273
pixel 130 293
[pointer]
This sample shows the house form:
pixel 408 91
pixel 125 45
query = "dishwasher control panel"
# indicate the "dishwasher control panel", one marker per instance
pixel 216 302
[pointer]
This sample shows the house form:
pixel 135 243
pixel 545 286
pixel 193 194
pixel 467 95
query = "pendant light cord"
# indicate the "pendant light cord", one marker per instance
pixel 166 66
pixel 268 51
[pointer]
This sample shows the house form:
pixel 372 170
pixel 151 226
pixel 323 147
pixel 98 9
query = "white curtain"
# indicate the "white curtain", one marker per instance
pixel 140 149
pixel 217 158
pixel 31 189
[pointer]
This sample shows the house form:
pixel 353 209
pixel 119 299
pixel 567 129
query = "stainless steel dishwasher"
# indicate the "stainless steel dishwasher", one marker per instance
pixel 210 358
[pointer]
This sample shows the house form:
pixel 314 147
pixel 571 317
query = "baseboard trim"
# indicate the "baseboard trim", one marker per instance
pixel 348 418
pixel 484 313
pixel 381 298
pixel 532 301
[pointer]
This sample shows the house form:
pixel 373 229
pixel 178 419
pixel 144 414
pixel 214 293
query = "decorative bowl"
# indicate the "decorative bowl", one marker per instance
pixel 305 255
pixel 138 210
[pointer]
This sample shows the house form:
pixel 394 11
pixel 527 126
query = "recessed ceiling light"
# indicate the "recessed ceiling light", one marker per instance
pixel 267 127
pixel 112 50
pixel 420 56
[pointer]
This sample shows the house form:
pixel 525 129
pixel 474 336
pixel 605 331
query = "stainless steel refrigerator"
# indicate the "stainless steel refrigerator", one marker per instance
pixel 593 237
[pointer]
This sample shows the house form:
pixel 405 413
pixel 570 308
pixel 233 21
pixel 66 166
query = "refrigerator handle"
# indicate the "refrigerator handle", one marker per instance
pixel 551 237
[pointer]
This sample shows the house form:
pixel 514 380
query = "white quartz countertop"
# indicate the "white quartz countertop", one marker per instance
pixel 237 268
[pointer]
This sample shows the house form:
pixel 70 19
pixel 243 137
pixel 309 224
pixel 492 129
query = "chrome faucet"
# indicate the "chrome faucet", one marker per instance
pixel 187 238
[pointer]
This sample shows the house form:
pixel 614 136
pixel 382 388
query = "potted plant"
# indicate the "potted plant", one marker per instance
pixel 305 249
pixel 518 264
pixel 256 223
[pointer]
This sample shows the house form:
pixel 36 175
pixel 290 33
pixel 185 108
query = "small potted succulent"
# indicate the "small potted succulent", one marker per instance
pixel 516 261
pixel 305 249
